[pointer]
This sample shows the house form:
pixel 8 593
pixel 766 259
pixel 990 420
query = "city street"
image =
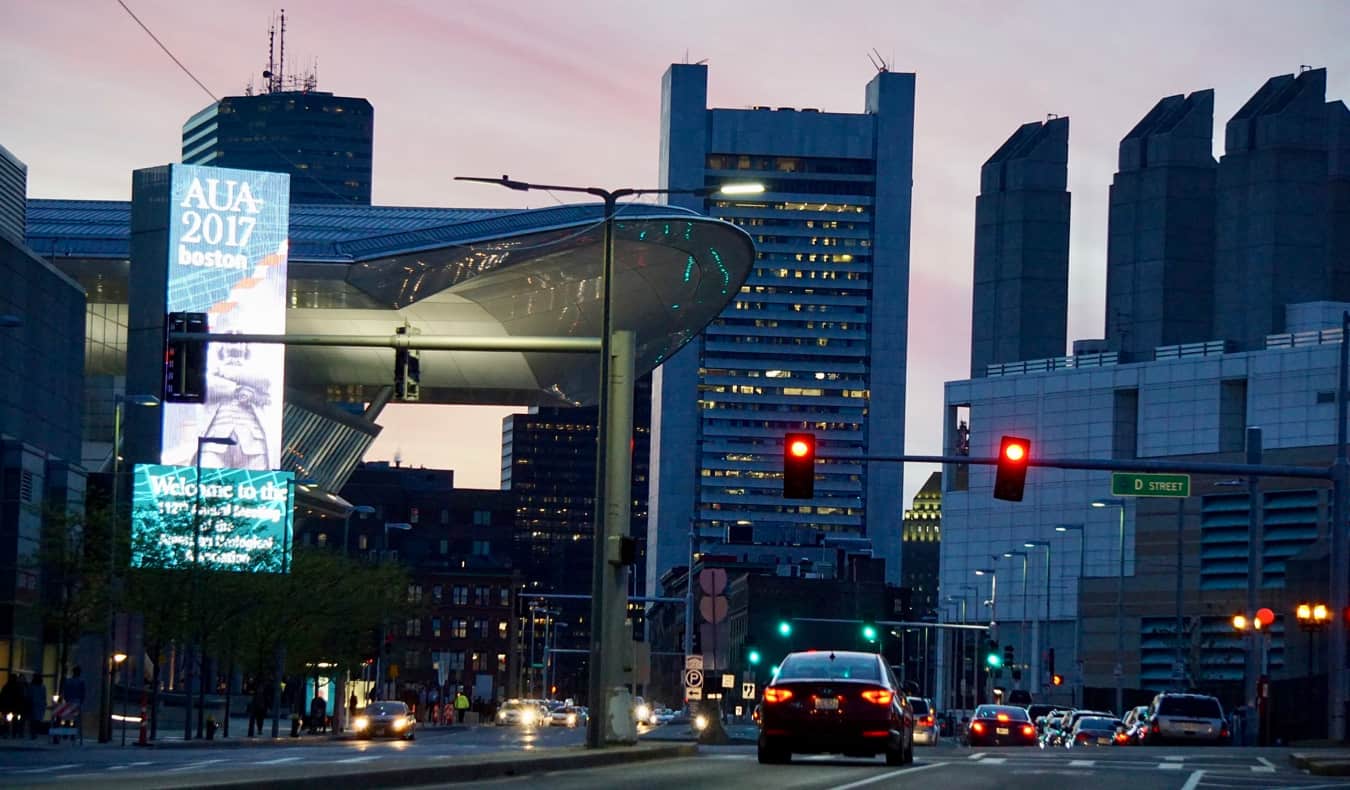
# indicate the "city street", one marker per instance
pixel 1186 768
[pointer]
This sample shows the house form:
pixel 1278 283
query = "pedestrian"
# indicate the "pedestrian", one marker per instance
pixel 317 710
pixel 351 708
pixel 37 693
pixel 257 711
pixel 461 706
pixel 13 704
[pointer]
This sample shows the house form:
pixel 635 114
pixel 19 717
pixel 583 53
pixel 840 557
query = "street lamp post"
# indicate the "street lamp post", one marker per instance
pixel 993 609
pixel 192 600
pixel 1022 631
pixel 612 481
pixel 1077 617
pixel 971 644
pixel 958 652
pixel 1043 628
pixel 105 698
pixel 347 522
pixel 1120 604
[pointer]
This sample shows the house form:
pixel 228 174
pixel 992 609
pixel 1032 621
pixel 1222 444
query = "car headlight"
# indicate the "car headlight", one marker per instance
pixel 527 717
pixel 643 712
pixel 700 722
pixel 361 723
pixel 501 714
pixel 399 724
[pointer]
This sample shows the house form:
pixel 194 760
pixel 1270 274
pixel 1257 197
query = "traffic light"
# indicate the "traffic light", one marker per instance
pixel 1010 476
pixel 869 632
pixel 799 466
pixel 184 361
pixel 784 628
pixel 1057 680
pixel 1050 660
pixel 992 659
pixel 753 657
pixel 1009 657
pixel 407 370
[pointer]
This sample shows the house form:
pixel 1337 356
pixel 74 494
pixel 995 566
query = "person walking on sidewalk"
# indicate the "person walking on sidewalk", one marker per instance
pixel 257 711
pixel 461 706
pixel 37 694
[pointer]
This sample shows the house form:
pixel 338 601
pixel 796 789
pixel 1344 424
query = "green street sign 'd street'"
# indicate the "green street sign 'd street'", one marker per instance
pixel 1132 484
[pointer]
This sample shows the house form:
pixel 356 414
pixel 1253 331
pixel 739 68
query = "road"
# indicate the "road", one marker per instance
pixel 947 766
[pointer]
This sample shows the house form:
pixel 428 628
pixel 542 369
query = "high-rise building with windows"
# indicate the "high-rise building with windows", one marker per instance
pixel 814 341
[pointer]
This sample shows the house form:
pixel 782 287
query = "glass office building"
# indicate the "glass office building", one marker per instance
pixel 816 338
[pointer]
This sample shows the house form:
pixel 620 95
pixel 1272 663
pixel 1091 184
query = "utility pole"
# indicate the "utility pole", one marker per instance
pixel 1340 558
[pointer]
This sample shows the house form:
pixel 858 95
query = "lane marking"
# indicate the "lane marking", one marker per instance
pixel 994 761
pixel 1170 767
pixel 364 759
pixel 198 764
pixel 976 756
pixel 46 769
pixel 1177 759
pixel 277 761
pixel 1266 763
pixel 1191 783
pixel 890 775
pixel 1082 763
pixel 1263 769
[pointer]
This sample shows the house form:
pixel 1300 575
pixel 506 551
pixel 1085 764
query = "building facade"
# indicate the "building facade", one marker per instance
pixel 323 141
pixel 921 547
pixel 816 338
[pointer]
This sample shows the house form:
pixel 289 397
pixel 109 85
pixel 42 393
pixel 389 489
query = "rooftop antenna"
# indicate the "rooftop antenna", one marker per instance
pixel 1302 67
pixel 878 62
pixel 281 61
pixel 269 75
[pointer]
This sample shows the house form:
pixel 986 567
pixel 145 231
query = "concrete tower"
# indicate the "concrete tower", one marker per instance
pixel 1021 292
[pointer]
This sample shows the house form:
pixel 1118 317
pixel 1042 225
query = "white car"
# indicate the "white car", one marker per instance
pixel 518 712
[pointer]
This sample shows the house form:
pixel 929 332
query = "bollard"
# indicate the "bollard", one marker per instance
pixel 143 740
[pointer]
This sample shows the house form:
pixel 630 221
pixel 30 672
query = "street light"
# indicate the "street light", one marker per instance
pixel 226 441
pixel 1022 631
pixel 1120 602
pixel 1043 629
pixel 1077 619
pixel 607 583
pixel 347 522
pixel 993 592
pixel 105 697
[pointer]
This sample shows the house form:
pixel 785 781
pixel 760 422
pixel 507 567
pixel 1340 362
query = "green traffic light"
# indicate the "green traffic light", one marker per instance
pixel 869 633
pixel 754 657
pixel 784 628
pixel 994 660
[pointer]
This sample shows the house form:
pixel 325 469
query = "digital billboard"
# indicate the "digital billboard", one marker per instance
pixel 227 247
pixel 240 520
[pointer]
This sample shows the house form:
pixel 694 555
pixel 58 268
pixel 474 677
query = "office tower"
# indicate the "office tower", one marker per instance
pixel 1160 253
pixel 816 339
pixel 1270 233
pixel 922 547
pixel 1020 307
pixel 13 194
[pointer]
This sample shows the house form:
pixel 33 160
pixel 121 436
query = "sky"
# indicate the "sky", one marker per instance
pixel 570 93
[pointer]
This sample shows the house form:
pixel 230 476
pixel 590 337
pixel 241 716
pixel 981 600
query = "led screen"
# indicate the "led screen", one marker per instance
pixel 239 521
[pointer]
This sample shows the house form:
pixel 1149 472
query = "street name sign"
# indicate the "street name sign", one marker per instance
pixel 1150 485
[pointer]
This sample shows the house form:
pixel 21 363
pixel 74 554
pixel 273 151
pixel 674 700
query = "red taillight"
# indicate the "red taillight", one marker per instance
pixel 928 721
pixel 1082 737
pixel 1027 729
pixel 1121 737
pixel 878 696
pixel 772 695
pixel 977 726
pixel 1002 717
pixel 876 733
pixel 1156 729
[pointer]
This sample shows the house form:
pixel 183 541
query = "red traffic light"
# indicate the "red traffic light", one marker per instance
pixel 799 466
pixel 799 448
pixel 1265 617
pixel 1010 474
pixel 1014 451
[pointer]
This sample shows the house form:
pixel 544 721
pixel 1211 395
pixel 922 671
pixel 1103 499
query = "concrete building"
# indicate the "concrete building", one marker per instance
pixel 13 194
pixel 1021 287
pixel 816 338
pixel 1160 249
pixel 323 141
pixel 921 547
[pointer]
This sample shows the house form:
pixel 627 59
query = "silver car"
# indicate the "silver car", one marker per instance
pixel 1191 718
pixel 925 721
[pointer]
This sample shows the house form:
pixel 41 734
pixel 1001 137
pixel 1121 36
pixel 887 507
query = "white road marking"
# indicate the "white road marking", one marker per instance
pixel 889 775
pixel 1194 780
pixel 1081 763
pixel 48 768
pixel 1171 767
pixel 976 756
pixel 364 759
pixel 277 761
pixel 994 761
pixel 1177 759
pixel 1263 769
pixel 198 764
pixel 1266 763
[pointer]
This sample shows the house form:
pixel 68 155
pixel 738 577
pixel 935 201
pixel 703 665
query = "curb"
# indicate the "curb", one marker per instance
pixel 497 766
pixel 1322 765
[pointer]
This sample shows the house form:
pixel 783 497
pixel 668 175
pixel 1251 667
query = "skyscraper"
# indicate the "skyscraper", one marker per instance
pixel 1021 295
pixel 816 339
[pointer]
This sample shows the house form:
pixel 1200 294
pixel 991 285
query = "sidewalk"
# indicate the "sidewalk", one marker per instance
pixel 1333 761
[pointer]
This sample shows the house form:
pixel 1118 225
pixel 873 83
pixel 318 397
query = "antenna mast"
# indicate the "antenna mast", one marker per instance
pixel 281 64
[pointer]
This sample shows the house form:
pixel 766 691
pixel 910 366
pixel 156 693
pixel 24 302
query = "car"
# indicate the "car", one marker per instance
pixel 1000 725
pixel 835 702
pixel 925 723
pixel 386 717
pixel 566 716
pixel 1136 724
pixel 519 712
pixel 1096 731
pixel 1189 718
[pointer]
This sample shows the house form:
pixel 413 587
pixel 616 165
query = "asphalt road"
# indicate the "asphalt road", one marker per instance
pixel 947 766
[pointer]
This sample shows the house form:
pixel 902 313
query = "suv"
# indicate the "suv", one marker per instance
pixel 925 722
pixel 1187 717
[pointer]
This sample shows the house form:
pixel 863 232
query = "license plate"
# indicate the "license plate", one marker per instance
pixel 827 703
pixel 1001 730
pixel 1104 741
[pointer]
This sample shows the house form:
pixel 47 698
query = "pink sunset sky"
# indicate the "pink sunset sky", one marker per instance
pixel 570 93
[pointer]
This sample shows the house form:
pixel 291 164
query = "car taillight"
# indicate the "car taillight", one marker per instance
pixel 1121 737
pixel 1156 729
pixel 772 695
pixel 928 720
pixel 1082 736
pixel 977 726
pixel 1002 717
pixel 1027 729
pixel 878 696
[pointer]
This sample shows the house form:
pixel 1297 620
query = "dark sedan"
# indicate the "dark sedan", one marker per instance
pixel 835 702
pixel 386 718
pixel 1000 725
pixel 1097 731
